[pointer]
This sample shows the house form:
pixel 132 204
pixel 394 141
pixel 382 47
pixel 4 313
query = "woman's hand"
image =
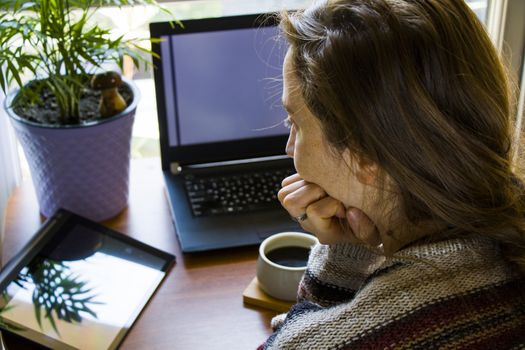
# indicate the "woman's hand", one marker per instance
pixel 327 217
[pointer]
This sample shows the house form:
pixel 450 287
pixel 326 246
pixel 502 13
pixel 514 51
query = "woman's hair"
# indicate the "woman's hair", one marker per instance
pixel 416 87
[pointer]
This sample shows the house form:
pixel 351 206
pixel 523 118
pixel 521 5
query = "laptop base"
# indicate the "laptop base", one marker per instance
pixel 222 231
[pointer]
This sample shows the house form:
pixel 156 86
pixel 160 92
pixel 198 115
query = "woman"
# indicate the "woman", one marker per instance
pixel 401 137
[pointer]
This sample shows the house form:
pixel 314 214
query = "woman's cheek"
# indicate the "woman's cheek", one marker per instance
pixel 303 166
pixel 298 157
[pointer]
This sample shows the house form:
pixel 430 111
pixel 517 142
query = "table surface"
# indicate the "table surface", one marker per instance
pixel 199 305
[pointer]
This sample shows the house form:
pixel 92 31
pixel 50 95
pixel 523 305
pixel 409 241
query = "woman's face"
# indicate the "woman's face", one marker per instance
pixel 314 160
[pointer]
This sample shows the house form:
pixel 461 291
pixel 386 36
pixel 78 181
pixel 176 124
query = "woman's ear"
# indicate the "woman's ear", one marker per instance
pixel 365 170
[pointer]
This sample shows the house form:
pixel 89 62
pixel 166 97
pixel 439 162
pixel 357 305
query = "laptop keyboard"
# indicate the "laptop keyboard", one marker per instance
pixel 235 193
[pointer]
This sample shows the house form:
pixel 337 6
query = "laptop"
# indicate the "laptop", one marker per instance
pixel 222 138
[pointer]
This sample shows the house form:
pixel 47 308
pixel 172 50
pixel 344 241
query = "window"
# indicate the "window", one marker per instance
pixel 480 8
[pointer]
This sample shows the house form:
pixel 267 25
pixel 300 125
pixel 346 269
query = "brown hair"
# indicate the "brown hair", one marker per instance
pixel 418 88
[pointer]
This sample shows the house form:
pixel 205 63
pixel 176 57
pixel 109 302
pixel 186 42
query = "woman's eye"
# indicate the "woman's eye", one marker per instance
pixel 288 123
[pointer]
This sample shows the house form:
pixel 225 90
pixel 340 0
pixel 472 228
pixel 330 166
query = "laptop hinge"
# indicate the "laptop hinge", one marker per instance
pixel 175 168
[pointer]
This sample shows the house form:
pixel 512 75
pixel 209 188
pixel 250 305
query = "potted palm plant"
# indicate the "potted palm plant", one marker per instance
pixel 73 118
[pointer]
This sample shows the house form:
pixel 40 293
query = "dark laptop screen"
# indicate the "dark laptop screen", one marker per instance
pixel 223 85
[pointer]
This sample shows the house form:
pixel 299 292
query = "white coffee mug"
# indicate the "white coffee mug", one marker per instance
pixel 276 279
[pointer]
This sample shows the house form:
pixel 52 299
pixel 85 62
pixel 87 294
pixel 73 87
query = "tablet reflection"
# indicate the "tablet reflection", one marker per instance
pixel 82 303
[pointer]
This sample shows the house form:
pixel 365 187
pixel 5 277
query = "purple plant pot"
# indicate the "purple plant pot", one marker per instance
pixel 84 169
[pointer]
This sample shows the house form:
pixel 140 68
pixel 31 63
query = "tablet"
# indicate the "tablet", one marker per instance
pixel 78 284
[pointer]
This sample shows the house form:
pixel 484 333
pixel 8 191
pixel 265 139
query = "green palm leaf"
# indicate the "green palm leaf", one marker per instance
pixel 54 40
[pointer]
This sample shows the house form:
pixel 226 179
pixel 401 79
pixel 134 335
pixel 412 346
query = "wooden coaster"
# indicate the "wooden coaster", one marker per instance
pixel 254 295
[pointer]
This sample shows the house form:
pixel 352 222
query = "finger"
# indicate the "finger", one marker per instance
pixel 324 220
pixel 291 179
pixel 292 187
pixel 326 208
pixel 363 228
pixel 298 189
pixel 296 201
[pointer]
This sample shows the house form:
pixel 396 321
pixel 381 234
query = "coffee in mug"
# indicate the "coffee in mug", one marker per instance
pixel 289 256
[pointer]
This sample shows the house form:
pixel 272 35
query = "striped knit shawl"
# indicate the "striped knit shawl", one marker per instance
pixel 455 294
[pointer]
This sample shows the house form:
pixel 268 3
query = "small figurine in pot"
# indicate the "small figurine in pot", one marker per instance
pixel 111 102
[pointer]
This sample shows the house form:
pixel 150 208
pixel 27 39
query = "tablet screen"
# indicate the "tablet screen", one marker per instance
pixel 83 289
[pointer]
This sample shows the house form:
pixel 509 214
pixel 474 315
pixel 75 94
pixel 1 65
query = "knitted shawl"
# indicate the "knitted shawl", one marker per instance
pixel 454 294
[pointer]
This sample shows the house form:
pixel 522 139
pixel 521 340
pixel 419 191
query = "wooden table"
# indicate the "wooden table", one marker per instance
pixel 199 305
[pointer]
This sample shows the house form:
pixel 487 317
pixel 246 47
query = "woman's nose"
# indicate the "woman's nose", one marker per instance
pixel 290 145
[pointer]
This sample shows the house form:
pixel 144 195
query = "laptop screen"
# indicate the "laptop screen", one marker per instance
pixel 224 85
pixel 218 84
